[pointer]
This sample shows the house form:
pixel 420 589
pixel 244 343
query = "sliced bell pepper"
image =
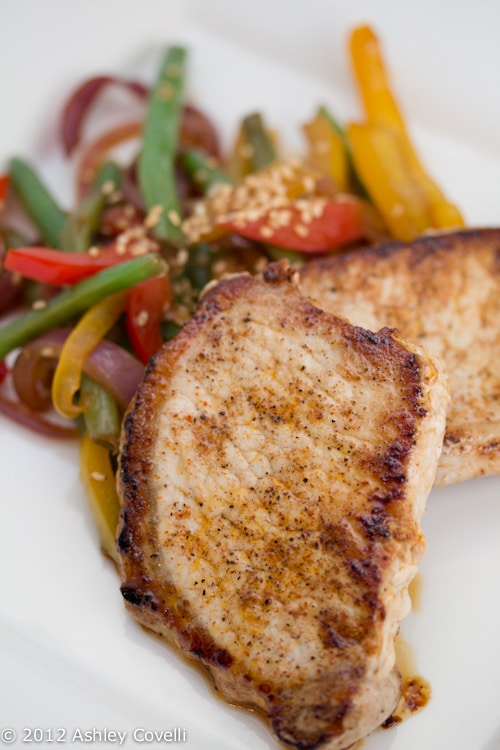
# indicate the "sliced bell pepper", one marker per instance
pixel 327 151
pixel 98 482
pixel 145 307
pixel 59 268
pixel 325 225
pixel 381 165
pixel 84 337
pixel 382 110
pixel 4 186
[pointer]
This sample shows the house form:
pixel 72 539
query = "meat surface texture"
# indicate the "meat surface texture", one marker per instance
pixel 274 470
pixel 443 292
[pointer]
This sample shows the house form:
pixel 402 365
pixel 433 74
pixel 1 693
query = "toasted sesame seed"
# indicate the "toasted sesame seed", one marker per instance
pixel 94 251
pixel 322 146
pixel 182 257
pixel 142 318
pixel 108 187
pixel 153 216
pixel 174 70
pixel 166 91
pixel 98 476
pixel 309 184
pixel 174 218
pixel 301 230
pixel 39 304
pixel 48 351
pixel 266 232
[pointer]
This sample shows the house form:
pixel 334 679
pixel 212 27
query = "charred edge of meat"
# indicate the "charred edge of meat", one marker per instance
pixel 421 247
pixel 335 721
pixel 139 592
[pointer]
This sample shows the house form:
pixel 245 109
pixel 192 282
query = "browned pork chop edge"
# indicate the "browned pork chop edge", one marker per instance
pixel 334 575
pixel 441 291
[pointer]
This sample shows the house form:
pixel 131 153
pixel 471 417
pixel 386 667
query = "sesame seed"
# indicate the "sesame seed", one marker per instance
pixel 108 187
pixel 98 476
pixel 301 230
pixel 174 70
pixel 397 209
pixel 153 216
pixel 182 257
pixel 309 184
pixel 166 91
pixel 266 232
pixel 48 351
pixel 142 318
pixel 174 218
pixel 94 251
pixel 39 304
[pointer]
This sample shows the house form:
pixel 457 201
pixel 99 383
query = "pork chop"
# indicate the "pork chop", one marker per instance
pixel 443 292
pixel 274 469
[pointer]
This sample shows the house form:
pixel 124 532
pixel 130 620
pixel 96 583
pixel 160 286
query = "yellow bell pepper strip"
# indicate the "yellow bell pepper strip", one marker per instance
pixel 98 480
pixel 327 152
pixel 381 165
pixel 382 110
pixel 90 329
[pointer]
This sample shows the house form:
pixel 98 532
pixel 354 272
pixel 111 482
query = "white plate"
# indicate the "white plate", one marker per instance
pixel 71 658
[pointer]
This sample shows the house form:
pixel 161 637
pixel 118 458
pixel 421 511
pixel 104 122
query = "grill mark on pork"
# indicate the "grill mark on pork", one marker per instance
pixel 443 292
pixel 273 471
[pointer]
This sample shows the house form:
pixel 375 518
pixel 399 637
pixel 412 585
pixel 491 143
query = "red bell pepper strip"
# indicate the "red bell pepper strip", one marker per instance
pixel 297 228
pixel 146 303
pixel 56 267
pixel 4 186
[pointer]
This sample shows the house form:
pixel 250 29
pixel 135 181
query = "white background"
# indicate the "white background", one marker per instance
pixel 70 655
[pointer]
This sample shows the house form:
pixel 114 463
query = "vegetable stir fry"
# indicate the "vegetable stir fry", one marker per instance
pixel 110 280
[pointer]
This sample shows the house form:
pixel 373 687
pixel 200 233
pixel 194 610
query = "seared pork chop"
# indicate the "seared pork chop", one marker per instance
pixel 274 469
pixel 443 292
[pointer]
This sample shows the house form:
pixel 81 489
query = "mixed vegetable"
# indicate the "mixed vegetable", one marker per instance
pixel 110 280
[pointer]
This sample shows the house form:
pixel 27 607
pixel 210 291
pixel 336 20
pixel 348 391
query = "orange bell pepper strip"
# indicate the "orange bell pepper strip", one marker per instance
pixel 382 110
pixel 89 330
pixel 327 152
